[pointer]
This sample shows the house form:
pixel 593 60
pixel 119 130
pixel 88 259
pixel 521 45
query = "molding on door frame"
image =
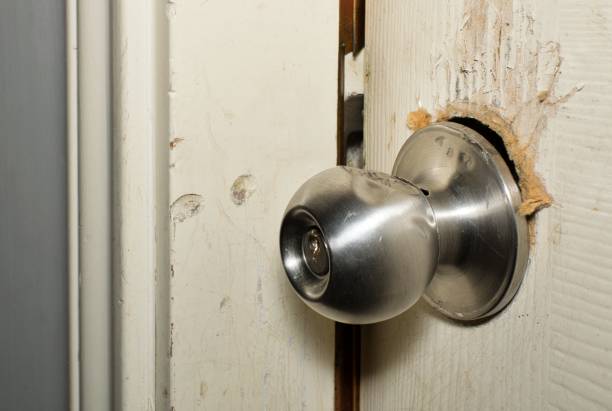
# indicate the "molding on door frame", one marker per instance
pixel 140 203
pixel 72 202
pixel 94 204
pixel 117 88
pixel 89 203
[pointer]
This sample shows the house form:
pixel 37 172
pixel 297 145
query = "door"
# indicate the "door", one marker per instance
pixel 252 113
pixel 544 70
pixel 221 109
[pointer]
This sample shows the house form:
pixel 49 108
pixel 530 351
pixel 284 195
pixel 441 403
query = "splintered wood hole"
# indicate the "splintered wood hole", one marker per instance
pixel 492 137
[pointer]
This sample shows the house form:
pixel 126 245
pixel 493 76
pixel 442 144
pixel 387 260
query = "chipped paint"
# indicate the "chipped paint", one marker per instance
pixel 184 207
pixel 246 159
pixel 175 142
pixel 242 188
pixel 224 301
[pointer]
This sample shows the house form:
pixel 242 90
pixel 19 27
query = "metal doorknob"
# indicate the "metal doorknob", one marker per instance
pixel 361 247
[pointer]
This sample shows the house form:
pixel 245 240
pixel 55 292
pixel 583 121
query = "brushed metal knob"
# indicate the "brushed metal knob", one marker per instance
pixel 361 246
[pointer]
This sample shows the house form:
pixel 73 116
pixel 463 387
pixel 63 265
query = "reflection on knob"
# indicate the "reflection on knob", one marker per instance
pixel 361 247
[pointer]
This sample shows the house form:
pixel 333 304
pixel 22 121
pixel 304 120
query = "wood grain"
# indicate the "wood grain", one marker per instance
pixel 545 67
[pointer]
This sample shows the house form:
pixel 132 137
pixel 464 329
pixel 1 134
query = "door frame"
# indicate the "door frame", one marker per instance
pixel 117 194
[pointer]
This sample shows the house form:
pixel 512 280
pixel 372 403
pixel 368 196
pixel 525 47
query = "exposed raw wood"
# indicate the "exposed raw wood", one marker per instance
pixel 353 74
pixel 523 155
pixel 253 97
pixel 418 119
pixel 544 69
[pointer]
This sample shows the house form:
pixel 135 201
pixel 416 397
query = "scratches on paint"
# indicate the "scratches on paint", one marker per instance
pixel 171 345
pixel 564 279
pixel 391 128
pixel 184 207
pixel 495 69
pixel 242 188
pixel 259 292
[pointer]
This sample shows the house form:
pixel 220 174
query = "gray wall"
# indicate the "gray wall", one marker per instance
pixel 33 234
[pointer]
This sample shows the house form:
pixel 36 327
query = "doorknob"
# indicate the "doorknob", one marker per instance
pixel 361 246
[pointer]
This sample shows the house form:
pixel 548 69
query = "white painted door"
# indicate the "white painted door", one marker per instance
pixel 221 109
pixel 252 114
pixel 545 68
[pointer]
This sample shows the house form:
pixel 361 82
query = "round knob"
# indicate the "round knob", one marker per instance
pixel 359 246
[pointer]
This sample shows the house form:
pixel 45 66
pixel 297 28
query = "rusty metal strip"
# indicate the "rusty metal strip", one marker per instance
pixel 340 146
pixel 352 25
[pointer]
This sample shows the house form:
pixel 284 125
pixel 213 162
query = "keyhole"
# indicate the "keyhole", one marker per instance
pixel 315 252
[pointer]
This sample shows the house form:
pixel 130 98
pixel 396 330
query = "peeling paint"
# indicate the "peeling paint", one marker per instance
pixel 242 188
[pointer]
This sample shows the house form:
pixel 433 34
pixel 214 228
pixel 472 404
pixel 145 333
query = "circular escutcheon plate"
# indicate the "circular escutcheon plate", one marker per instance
pixel 484 242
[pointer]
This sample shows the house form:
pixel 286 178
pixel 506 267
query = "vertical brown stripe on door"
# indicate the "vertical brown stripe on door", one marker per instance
pixel 347 367
pixel 348 337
